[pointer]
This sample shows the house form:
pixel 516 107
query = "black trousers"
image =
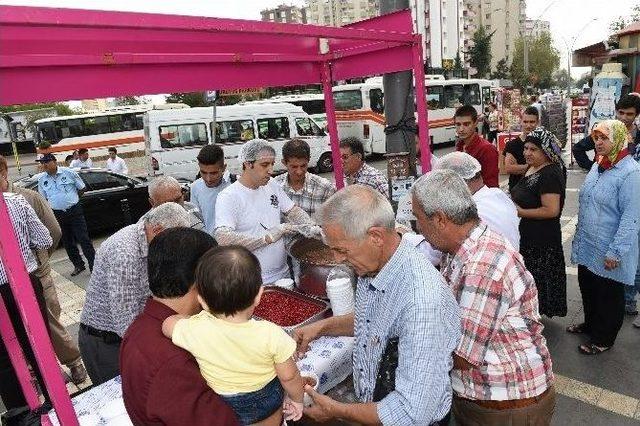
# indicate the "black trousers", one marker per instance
pixel 74 232
pixel 493 136
pixel 603 303
pixel 10 390
pixel 100 353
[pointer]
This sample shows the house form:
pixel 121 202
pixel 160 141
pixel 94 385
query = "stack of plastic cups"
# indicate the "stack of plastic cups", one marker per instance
pixel 340 293
pixel 285 283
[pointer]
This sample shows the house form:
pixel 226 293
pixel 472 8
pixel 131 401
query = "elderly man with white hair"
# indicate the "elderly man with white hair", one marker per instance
pixel 502 367
pixel 249 212
pixel 119 288
pixel 406 321
pixel 167 189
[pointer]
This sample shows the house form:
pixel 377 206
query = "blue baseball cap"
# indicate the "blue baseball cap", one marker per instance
pixel 46 158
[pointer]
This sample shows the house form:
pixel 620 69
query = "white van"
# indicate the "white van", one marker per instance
pixel 173 138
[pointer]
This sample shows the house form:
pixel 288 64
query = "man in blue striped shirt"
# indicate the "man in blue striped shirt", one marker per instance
pixel 406 322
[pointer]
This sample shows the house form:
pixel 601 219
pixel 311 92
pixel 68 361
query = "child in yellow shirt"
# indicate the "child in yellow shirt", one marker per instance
pixel 247 362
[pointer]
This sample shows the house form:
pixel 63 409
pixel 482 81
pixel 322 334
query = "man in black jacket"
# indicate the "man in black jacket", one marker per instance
pixel 627 110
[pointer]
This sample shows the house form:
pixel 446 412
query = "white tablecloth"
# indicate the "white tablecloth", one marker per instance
pixel 329 358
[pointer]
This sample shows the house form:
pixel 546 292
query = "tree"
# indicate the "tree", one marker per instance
pixel 584 79
pixel 457 65
pixel 480 53
pixel 193 99
pixel 621 21
pixel 127 100
pixel 544 60
pixel 561 78
pixel 502 70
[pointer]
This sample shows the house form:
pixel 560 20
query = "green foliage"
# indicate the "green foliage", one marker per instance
pixel 544 60
pixel 502 70
pixel 127 100
pixel 561 78
pixel 458 62
pixel 480 53
pixel 622 21
pixel 193 99
pixel 584 79
pixel 61 109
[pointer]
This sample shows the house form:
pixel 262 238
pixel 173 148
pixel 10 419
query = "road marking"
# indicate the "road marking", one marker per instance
pixel 614 402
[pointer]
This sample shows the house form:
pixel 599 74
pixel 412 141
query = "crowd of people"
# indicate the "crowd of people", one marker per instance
pixel 447 320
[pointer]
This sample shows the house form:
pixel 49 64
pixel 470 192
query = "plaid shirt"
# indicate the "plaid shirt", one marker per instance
pixel 31 233
pixel 372 177
pixel 501 328
pixel 407 299
pixel 315 191
pixel 119 285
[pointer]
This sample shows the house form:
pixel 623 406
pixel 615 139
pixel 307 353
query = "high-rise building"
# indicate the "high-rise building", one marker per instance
pixel 286 14
pixel 535 27
pixel 442 26
pixel 337 13
pixel 91 105
pixel 504 18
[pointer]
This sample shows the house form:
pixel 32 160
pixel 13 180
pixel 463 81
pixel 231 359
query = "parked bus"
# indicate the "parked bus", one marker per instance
pixel 360 108
pixel 120 127
pixel 173 138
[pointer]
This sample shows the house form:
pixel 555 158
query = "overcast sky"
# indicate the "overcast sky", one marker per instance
pixel 567 17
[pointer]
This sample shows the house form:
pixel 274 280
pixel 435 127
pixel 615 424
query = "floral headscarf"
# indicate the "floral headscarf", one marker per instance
pixel 548 142
pixel 618 134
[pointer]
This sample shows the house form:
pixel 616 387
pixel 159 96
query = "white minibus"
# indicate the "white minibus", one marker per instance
pixel 173 138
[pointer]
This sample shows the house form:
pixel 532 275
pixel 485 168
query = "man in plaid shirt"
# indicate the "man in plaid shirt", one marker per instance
pixel 356 171
pixel 306 190
pixel 502 367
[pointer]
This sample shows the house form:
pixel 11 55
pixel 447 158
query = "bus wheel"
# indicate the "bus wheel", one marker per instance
pixel 325 163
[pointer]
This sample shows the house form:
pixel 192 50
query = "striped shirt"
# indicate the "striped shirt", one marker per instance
pixel 315 191
pixel 119 285
pixel 31 233
pixel 501 328
pixel 410 301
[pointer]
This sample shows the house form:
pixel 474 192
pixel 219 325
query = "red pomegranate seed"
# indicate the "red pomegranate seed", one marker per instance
pixel 285 310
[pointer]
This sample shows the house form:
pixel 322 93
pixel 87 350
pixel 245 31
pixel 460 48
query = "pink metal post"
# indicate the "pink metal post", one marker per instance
pixel 332 126
pixel 34 325
pixel 423 118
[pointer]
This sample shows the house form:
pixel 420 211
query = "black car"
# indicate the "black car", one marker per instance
pixel 111 200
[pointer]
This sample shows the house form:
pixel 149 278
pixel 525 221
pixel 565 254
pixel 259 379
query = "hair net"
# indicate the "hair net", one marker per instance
pixel 461 163
pixel 254 149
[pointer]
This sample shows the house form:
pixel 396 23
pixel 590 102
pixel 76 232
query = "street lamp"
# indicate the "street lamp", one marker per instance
pixel 569 47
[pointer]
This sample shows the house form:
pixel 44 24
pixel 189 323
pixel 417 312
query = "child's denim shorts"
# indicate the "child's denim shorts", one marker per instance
pixel 252 407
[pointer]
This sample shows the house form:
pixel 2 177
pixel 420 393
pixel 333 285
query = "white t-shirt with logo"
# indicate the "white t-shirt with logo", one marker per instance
pixel 252 212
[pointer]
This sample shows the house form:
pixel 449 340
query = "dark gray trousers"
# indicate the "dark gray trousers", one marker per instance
pixel 100 357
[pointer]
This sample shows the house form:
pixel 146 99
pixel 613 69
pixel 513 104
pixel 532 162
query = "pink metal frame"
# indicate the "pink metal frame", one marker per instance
pixel 51 54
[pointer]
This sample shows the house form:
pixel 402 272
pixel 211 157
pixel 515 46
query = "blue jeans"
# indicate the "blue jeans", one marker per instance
pixel 253 407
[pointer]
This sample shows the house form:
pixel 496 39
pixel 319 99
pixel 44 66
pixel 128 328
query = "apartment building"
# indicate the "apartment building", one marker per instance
pixel 442 26
pixel 337 13
pixel 286 14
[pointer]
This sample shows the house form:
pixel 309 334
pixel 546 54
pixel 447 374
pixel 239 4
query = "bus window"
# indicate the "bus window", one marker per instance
pixel 435 97
pixel 229 132
pixel 115 121
pixel 486 95
pixel 453 96
pixel 307 127
pixel 75 127
pixel 47 133
pixel 183 135
pixel 376 97
pixel 96 125
pixel 130 122
pixel 273 128
pixel 347 100
pixel 311 107
pixel 139 121
pixel 472 94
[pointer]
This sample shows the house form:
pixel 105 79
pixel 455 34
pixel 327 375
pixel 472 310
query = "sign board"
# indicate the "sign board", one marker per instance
pixel 401 187
pixel 404 214
pixel 211 95
pixel 242 92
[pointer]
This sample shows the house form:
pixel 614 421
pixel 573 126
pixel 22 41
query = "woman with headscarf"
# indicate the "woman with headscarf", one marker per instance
pixel 539 197
pixel 605 245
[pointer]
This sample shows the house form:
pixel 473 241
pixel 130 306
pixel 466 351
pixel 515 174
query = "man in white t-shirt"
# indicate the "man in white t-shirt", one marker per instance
pixel 495 208
pixel 115 163
pixel 83 161
pixel 249 211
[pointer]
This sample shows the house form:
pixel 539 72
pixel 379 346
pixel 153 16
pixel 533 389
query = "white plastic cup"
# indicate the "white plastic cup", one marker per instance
pixel 307 401
pixel 341 296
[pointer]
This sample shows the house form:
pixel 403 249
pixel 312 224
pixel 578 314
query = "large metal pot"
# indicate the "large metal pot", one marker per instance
pixel 316 261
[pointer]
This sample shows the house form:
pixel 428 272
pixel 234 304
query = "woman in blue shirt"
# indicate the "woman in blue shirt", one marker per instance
pixel 605 245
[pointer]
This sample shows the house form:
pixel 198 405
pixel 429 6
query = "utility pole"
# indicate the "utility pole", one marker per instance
pixel 399 113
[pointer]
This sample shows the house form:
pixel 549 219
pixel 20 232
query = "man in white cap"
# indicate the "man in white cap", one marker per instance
pixel 495 208
pixel 249 212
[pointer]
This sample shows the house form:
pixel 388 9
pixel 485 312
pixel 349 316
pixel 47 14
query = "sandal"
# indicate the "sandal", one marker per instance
pixel 592 349
pixel 576 329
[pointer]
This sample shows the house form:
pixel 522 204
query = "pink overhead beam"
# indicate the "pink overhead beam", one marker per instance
pixel 64 54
